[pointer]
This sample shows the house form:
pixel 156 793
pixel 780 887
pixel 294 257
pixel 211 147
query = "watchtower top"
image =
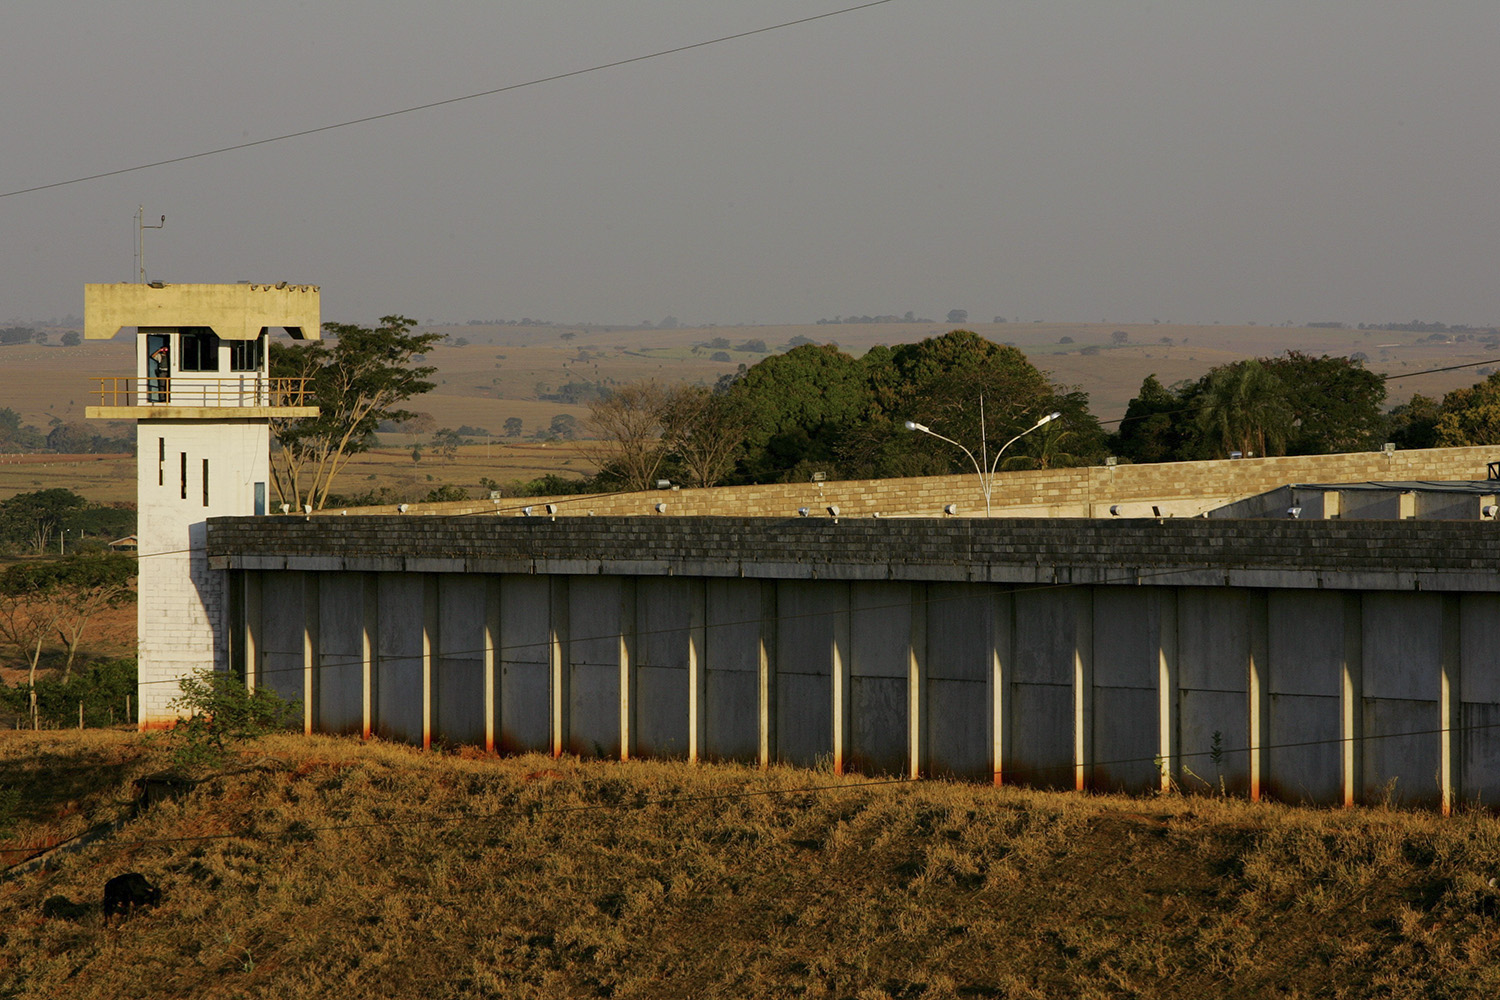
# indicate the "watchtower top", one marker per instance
pixel 234 312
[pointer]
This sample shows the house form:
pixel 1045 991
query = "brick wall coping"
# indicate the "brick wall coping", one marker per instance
pixel 1350 554
pixel 1183 489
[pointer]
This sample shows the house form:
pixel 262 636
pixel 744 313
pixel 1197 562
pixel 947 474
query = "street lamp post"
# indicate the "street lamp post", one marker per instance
pixel 986 476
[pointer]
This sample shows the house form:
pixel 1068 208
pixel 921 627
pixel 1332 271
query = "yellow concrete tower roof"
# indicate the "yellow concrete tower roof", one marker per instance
pixel 234 312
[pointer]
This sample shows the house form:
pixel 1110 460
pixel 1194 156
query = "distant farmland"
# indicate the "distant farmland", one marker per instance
pixel 502 372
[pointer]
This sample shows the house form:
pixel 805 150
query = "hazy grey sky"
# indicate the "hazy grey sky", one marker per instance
pixel 1188 161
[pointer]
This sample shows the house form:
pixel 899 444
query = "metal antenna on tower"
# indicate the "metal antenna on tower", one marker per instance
pixel 140 239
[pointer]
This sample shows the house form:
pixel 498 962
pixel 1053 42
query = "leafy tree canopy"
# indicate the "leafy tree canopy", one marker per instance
pixel 359 380
pixel 1334 402
pixel 1471 415
pixel 800 405
pixel 35 518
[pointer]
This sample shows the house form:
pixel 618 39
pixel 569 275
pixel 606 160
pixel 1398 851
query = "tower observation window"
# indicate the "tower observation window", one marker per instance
pixel 246 355
pixel 199 349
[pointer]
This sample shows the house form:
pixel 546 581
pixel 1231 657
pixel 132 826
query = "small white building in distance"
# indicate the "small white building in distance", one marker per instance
pixel 203 399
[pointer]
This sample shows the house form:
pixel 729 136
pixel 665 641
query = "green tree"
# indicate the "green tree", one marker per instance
pixel 799 408
pixel 29 611
pixel 513 427
pixel 1470 415
pixel 979 393
pixel 34 518
pixel 1076 438
pixel 1242 407
pixel 445 443
pixel 359 381
pixel 1335 403
pixel 39 599
pixel 1156 425
pixel 1413 424
pixel 86 585
pixel 221 712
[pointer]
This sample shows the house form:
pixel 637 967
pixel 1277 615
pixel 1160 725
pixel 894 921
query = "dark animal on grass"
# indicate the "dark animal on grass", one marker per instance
pixel 123 894
pixel 63 908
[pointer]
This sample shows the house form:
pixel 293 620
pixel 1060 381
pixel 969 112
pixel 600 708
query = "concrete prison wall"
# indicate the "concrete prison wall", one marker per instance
pixel 1320 661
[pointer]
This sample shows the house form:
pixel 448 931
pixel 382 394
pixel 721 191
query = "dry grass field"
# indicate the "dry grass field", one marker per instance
pixel 326 867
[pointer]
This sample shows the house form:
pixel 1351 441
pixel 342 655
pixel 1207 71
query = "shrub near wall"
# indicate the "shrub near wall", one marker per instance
pixel 102 687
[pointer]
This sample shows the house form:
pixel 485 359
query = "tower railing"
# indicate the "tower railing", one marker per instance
pixel 189 390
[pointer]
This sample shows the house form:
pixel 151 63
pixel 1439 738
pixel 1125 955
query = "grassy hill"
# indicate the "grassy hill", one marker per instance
pixel 324 867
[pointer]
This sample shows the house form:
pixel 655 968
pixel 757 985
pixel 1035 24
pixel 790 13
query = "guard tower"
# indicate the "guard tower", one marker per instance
pixel 202 398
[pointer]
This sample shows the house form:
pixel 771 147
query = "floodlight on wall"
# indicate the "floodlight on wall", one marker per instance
pixel 552 508
pixel 1389 447
pixel 661 508
pixel 525 511
pixel 286 508
pixel 307 508
pixel 1111 462
pixel 950 508
pixel 803 512
pixel 494 494
pixel 663 484
pixel 1294 512
pixel 401 508
pixel 1490 511
pixel 1114 510
pixel 833 510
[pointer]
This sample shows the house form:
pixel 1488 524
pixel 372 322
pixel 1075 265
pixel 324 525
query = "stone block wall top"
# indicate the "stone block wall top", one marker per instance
pixel 1134 550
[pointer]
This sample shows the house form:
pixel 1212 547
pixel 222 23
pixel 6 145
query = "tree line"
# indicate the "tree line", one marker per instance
pixel 1297 404
pixel 816 409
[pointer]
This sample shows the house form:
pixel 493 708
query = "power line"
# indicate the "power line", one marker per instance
pixel 446 101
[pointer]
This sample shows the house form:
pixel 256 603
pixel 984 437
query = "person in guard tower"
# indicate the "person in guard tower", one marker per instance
pixel 160 371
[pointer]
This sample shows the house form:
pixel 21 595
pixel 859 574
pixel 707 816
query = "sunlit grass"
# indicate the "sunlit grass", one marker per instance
pixel 315 867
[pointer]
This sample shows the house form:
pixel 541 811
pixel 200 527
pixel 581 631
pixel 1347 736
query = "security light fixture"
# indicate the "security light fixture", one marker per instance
pixel 986 474
pixel 1114 510
pixel 833 510
pixel 552 508
pixel 803 512
pixel 661 508
pixel 950 508
pixel 664 484
pixel 1294 512
pixel 401 508
pixel 286 508
pixel 1490 511
pixel 525 511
